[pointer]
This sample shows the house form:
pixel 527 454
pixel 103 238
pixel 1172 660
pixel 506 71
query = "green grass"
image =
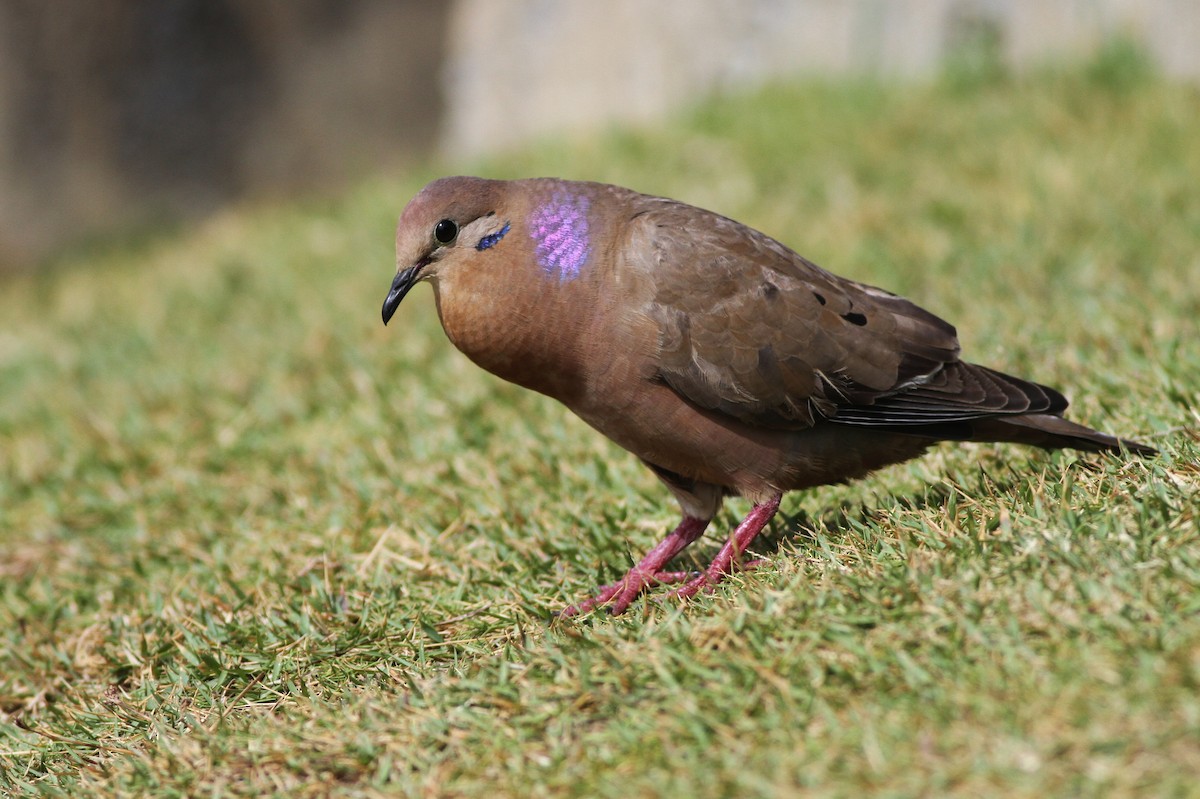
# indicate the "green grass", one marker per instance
pixel 254 543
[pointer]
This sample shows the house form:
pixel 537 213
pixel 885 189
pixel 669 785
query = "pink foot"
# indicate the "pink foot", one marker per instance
pixel 649 571
pixel 646 573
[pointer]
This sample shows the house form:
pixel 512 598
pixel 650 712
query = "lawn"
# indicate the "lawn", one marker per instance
pixel 254 543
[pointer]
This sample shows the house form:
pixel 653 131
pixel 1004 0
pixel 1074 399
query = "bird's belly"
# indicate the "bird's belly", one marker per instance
pixel 659 427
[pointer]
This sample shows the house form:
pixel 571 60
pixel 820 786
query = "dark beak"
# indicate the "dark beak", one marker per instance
pixel 400 286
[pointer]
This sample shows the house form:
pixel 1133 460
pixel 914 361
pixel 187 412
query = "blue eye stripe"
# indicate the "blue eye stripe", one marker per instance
pixel 490 239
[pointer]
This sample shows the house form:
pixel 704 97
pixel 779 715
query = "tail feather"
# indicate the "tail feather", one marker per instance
pixel 1053 432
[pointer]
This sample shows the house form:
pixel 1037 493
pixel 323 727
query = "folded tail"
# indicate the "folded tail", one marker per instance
pixel 1053 432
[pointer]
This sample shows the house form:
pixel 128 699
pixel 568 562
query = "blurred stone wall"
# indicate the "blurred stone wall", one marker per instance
pixel 118 113
pixel 523 68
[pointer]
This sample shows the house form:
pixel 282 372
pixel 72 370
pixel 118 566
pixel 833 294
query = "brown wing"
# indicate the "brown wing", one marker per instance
pixel 751 329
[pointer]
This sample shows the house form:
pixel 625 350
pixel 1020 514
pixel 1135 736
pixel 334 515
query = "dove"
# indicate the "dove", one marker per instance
pixel 726 362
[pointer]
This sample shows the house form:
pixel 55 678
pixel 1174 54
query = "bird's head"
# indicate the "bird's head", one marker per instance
pixel 452 221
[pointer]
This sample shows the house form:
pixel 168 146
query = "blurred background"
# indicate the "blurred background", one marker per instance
pixel 122 114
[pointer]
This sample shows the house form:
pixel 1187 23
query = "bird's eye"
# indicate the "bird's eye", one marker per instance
pixel 445 231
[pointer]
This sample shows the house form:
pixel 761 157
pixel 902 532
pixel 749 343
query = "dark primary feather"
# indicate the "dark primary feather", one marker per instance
pixel 955 392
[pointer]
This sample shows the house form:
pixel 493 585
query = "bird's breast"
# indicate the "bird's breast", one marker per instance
pixel 521 333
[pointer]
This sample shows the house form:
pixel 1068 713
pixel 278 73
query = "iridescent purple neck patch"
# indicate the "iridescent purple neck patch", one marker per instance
pixel 559 228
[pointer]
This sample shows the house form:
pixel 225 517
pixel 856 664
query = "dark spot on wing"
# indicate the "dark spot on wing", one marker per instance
pixel 855 318
pixel 770 290
pixel 820 299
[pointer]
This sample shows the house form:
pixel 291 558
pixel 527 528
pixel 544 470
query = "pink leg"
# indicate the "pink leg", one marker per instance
pixel 648 572
pixel 727 559
pixel 666 578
